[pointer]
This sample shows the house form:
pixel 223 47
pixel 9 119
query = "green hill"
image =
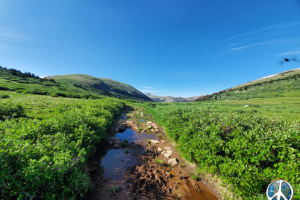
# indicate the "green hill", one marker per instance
pixel 285 84
pixel 106 84
pixel 28 83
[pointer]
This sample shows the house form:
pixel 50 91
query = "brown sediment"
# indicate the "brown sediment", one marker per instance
pixel 143 178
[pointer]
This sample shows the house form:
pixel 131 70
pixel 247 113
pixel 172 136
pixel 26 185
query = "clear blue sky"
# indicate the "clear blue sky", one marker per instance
pixel 165 47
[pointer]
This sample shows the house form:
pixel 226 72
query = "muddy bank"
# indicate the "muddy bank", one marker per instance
pixel 138 162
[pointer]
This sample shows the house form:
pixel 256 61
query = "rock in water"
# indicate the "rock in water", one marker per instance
pixel 154 141
pixel 173 162
pixel 168 154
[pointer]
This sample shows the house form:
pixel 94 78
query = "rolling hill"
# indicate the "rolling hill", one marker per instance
pixel 285 84
pixel 106 84
pixel 72 87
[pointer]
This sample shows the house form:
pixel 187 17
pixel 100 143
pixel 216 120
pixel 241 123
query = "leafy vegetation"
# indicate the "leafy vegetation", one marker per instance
pixel 45 142
pixel 247 150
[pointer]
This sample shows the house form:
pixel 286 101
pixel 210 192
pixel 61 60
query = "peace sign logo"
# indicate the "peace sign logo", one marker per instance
pixel 280 190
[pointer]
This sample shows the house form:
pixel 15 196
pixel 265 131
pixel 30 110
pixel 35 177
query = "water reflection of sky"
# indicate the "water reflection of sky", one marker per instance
pixel 134 136
pixel 115 161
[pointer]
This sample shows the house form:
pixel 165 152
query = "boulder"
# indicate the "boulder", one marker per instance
pixel 173 162
pixel 168 153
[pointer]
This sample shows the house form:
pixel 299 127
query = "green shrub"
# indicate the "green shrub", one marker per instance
pixel 247 150
pixel 4 96
pixel 46 157
pixel 11 110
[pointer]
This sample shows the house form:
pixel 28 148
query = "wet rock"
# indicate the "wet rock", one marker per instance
pixel 121 128
pixel 154 141
pixel 168 148
pixel 173 162
pixel 159 149
pixel 168 153
pixel 115 141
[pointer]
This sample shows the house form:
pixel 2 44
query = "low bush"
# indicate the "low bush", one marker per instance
pixel 247 150
pixel 46 157
pixel 4 96
pixel 11 110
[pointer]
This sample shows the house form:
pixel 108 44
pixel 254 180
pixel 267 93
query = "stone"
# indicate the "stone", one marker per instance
pixel 168 148
pixel 117 146
pixel 162 152
pixel 246 106
pixel 159 149
pixel 162 141
pixel 129 122
pixel 121 128
pixel 149 122
pixel 115 140
pixel 109 142
pixel 168 153
pixel 154 141
pixel 173 162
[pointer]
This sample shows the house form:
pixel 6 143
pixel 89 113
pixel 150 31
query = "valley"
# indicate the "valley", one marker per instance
pixel 87 142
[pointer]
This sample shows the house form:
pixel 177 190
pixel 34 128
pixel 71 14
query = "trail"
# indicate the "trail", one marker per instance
pixel 141 168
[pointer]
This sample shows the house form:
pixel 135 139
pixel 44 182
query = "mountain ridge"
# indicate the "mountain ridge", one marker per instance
pixel 157 98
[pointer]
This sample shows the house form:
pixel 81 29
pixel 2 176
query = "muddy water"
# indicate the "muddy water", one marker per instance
pixel 135 136
pixel 115 162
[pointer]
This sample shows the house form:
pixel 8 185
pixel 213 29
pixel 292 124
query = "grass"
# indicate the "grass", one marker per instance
pixel 115 189
pixel 159 161
pixel 126 151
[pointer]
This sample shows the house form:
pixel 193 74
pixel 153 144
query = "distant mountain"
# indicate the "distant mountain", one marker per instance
pixel 109 85
pixel 170 98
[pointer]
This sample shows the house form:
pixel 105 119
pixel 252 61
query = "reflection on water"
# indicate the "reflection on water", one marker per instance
pixel 134 136
pixel 115 161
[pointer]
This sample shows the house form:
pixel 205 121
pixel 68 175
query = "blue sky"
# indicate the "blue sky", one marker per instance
pixel 165 47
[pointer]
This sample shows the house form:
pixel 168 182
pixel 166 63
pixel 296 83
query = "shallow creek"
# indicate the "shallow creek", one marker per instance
pixel 120 163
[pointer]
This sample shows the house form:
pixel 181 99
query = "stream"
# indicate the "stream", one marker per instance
pixel 126 169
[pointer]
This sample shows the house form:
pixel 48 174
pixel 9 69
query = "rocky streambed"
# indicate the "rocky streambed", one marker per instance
pixel 138 162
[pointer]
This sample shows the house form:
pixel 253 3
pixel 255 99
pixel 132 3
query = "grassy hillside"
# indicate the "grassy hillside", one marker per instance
pixel 285 84
pixel 83 80
pixel 27 83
